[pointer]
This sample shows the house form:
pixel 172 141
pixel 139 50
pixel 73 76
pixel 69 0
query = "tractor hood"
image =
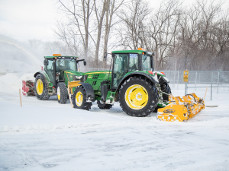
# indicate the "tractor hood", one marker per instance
pixel 74 72
pixel 70 75
pixel 105 75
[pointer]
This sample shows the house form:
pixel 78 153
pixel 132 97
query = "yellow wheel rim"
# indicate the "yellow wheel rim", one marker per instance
pixel 136 97
pixel 39 87
pixel 79 98
pixel 58 93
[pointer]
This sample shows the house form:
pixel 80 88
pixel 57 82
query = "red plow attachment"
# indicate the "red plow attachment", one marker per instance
pixel 27 88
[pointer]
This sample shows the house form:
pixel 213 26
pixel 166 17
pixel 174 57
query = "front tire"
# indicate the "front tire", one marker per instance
pixel 138 97
pixel 62 93
pixel 79 99
pixel 41 88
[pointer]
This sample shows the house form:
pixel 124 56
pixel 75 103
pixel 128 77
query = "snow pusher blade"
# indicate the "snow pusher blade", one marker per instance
pixel 181 109
pixel 27 88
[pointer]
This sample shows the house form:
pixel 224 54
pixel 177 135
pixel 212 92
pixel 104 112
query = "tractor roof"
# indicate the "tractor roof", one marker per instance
pixel 52 57
pixel 131 51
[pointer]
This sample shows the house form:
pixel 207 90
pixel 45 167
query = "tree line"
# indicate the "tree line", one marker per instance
pixel 194 37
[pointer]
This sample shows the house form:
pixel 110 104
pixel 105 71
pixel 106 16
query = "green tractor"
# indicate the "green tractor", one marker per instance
pixel 53 78
pixel 132 81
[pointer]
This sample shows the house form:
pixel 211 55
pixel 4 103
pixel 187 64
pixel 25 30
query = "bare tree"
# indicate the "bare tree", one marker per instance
pixel 163 31
pixel 109 7
pixel 157 34
pixel 112 8
pixel 133 17
pixel 79 25
pixel 90 22
pixel 197 39
pixel 99 16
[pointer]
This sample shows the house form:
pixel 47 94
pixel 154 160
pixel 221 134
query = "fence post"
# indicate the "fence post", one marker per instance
pixel 195 79
pixel 218 83
pixel 178 80
pixel 211 92
pixel 186 88
pixel 211 84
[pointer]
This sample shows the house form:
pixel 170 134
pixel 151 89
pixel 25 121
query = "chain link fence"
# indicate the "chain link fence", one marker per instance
pixel 199 77
pixel 216 81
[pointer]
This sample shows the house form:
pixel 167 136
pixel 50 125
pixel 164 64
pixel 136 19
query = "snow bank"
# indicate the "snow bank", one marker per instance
pixel 10 83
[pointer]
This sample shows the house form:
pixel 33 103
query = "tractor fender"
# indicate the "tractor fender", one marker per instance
pixel 90 95
pixel 37 74
pixel 141 74
pixel 163 79
pixel 44 74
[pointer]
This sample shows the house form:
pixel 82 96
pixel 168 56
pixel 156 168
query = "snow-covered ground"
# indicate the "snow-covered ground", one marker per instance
pixel 44 135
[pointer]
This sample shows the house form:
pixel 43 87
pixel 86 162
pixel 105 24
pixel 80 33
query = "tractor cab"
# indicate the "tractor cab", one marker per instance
pixel 130 61
pixel 55 66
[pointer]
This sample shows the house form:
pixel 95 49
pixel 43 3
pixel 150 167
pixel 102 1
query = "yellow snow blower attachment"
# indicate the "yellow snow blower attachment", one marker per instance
pixel 181 109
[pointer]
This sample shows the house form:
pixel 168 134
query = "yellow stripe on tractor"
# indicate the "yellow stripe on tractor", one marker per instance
pixel 181 109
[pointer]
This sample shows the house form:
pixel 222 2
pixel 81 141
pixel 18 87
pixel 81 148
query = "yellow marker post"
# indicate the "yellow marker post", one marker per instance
pixel 185 78
pixel 186 72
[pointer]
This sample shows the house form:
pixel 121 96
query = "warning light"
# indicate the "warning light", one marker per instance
pixel 56 54
pixel 150 72
pixel 141 49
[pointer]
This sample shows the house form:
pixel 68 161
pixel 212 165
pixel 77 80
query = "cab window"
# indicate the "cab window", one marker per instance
pixel 146 63
pixel 66 64
pixel 133 62
pixel 50 65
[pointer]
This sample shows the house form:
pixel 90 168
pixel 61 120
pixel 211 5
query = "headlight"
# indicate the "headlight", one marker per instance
pixel 77 77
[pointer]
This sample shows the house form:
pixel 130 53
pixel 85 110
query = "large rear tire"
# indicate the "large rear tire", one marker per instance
pixel 103 105
pixel 62 93
pixel 138 97
pixel 41 88
pixel 79 99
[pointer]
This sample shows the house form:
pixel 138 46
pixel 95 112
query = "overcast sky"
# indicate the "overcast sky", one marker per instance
pixel 36 19
pixel 28 19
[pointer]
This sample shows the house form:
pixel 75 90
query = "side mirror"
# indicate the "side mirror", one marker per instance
pixel 46 62
pixel 84 62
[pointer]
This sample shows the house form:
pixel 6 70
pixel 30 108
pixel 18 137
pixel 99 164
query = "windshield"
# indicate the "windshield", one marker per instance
pixel 146 63
pixel 66 64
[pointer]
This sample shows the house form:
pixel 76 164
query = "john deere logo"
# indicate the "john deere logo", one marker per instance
pixel 169 111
